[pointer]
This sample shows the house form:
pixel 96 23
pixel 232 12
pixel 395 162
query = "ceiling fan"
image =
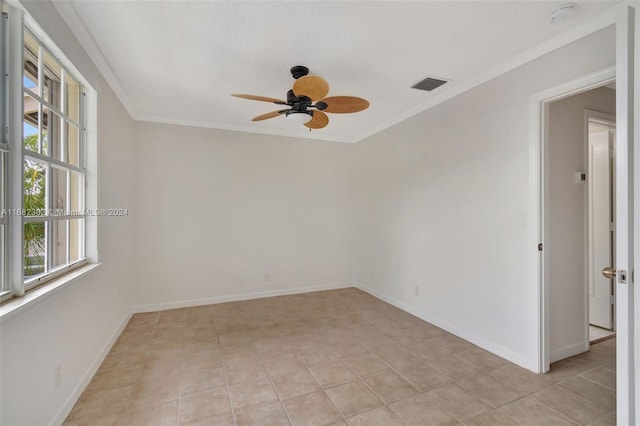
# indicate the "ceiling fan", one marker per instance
pixel 308 89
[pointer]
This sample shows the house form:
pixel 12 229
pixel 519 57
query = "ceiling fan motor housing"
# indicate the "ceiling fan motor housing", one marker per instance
pixel 300 103
pixel 299 71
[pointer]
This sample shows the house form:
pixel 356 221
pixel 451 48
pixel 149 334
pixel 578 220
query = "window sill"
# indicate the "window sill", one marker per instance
pixel 31 298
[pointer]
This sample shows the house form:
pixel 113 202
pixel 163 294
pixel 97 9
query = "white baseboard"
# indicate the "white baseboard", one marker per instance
pixel 62 414
pixel 238 297
pixel 501 351
pixel 567 351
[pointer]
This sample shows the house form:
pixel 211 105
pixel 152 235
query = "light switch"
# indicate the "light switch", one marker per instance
pixel 579 177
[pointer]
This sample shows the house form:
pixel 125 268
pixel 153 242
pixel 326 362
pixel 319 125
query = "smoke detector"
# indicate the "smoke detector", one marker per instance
pixel 562 13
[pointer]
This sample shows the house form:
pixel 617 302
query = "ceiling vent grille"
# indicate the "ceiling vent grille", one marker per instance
pixel 429 84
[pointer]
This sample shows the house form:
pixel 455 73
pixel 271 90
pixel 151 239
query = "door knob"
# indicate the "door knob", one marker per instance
pixel 609 272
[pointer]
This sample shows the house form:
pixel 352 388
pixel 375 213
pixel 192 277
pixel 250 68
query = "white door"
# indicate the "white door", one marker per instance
pixel 625 141
pixel 601 222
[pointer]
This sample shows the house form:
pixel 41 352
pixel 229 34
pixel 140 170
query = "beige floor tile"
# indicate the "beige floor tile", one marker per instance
pixel 603 376
pixel 155 390
pixel 252 393
pixel 314 409
pixel 390 387
pixel 101 420
pixel 321 356
pixel 400 359
pixel 332 373
pixel 165 349
pixel 570 404
pixel 522 381
pixel 266 415
pixel 567 368
pixel 202 361
pixel 113 378
pixel 380 416
pixel 592 391
pixel 461 404
pixel 366 364
pixel 168 334
pixel 607 420
pixel 345 349
pixel 130 345
pixel 143 320
pixel 197 381
pixel 284 363
pixel 453 367
pixel 295 382
pixel 530 412
pixel 492 418
pixel 353 398
pixel 489 390
pixel 198 344
pixel 202 406
pixel 161 368
pixel 418 410
pixel 95 405
pixel 238 374
pixel 214 421
pixel 172 316
pixel 123 359
pixel 482 359
pixel 163 414
pixel 425 378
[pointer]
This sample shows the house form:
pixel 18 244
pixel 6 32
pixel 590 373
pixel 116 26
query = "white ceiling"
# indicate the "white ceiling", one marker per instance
pixel 177 61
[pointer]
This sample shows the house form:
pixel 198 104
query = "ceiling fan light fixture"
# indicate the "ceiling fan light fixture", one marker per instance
pixel 299 116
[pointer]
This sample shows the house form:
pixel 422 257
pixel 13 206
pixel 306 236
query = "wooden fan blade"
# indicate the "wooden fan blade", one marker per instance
pixel 311 86
pixel 319 120
pixel 271 114
pixel 345 104
pixel 258 98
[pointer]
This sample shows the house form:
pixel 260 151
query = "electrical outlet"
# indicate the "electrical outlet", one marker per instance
pixel 57 375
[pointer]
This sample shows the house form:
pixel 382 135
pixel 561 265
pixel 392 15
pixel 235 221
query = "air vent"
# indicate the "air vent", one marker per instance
pixel 429 84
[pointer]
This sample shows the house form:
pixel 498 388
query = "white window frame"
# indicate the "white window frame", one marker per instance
pixel 11 146
pixel 4 151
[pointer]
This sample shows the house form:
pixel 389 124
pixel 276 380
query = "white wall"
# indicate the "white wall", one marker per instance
pixel 443 196
pixel 217 211
pixel 72 327
pixel 567 216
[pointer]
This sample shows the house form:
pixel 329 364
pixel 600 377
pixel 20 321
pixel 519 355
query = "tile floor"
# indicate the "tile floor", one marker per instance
pixel 329 358
pixel 596 334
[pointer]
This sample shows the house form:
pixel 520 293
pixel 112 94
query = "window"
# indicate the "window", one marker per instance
pixel 43 174
pixel 54 170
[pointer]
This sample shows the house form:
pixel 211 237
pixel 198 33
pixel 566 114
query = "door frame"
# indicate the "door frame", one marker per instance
pixel 627 152
pixel 539 110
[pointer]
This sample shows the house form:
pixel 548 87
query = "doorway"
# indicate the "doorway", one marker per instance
pixel 600 133
pixel 577 218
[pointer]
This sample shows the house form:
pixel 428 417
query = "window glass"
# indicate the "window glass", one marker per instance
pixel 30 126
pixel 59 243
pixel 76 239
pixel 72 107
pixel 73 145
pixel 35 180
pixel 52 134
pixel 34 248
